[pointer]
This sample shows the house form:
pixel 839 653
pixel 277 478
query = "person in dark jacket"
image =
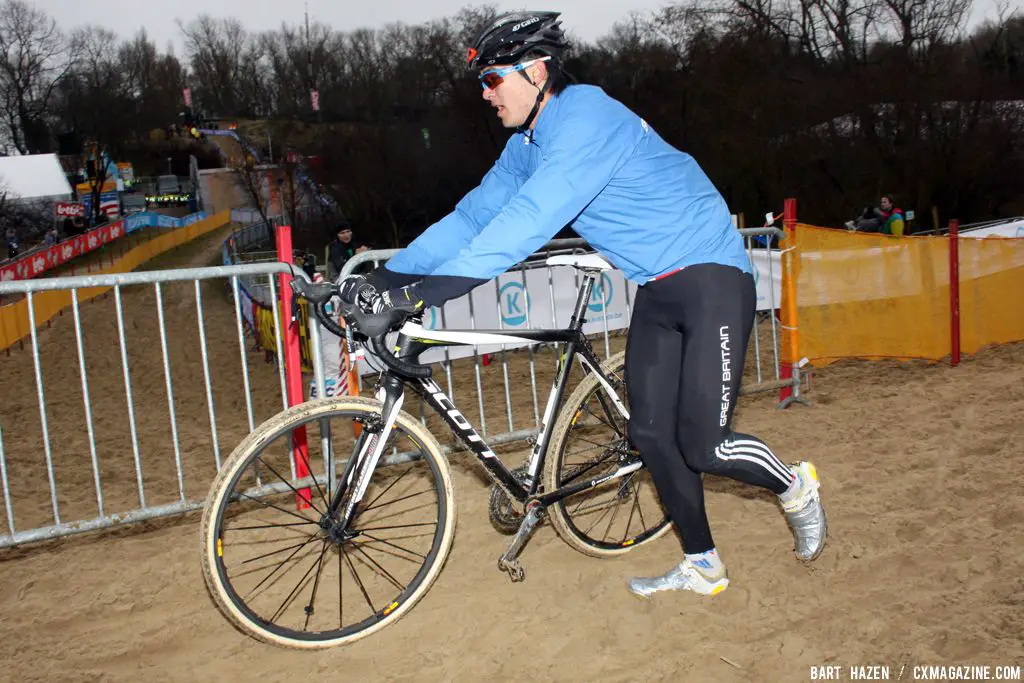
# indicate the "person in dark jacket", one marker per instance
pixel 342 248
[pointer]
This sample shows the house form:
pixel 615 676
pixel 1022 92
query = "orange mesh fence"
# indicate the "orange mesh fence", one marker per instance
pixel 991 284
pixel 878 296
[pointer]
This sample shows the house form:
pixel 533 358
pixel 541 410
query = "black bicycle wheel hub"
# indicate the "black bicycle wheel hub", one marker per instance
pixel 334 531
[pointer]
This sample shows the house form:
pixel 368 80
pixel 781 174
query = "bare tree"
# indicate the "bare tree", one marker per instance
pixel 153 82
pixel 227 63
pixel 28 219
pixel 34 59
pixel 920 25
pixel 252 178
pixel 96 101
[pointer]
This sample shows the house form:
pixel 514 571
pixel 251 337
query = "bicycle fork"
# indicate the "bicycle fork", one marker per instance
pixel 357 475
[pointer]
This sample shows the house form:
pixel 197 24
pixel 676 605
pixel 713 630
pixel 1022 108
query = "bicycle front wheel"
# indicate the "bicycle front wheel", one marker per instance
pixel 588 441
pixel 278 561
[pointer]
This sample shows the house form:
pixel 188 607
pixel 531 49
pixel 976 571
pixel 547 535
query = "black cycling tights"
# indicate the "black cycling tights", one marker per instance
pixel 684 364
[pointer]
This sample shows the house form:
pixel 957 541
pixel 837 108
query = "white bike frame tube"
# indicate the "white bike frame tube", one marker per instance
pixel 372 449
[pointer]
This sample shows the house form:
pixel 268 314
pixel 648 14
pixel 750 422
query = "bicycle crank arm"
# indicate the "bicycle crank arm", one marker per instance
pixel 509 560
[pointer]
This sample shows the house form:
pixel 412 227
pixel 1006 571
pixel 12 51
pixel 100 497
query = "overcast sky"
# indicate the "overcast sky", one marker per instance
pixel 589 19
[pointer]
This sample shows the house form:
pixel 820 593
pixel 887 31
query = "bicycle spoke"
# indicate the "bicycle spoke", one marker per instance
pixel 612 422
pixel 369 545
pixel 288 528
pixel 396 500
pixel 615 512
pixel 309 468
pixel 286 560
pixel 341 591
pixel 590 466
pixel 275 507
pixel 397 526
pixel 362 588
pixel 639 508
pixel 599 519
pixel 383 572
pixel 632 508
pixel 299 585
pixel 594 506
pixel 288 484
pixel 395 513
pixel 270 526
pixel 316 584
pixel 266 555
pixel 369 506
pixel 592 443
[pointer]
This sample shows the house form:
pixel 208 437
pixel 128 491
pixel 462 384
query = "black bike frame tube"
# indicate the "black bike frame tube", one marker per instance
pixel 579 315
pixel 567 491
pixel 557 392
pixel 439 401
pixel 575 344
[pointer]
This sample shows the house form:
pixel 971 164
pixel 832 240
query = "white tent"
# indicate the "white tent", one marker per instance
pixel 34 177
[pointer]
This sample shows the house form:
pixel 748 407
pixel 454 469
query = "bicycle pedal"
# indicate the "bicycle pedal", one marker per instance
pixel 513 568
pixel 509 560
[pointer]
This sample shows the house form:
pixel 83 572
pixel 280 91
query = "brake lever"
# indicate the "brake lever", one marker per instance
pixel 314 292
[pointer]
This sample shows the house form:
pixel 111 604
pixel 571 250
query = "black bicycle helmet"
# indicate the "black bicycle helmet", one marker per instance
pixel 514 34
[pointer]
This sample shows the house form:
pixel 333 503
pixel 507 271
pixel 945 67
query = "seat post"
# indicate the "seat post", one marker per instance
pixel 579 315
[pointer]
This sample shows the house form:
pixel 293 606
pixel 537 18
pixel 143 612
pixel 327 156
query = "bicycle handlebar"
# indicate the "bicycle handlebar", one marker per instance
pixel 372 326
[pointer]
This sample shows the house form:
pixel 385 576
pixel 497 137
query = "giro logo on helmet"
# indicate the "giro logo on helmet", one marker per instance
pixel 524 24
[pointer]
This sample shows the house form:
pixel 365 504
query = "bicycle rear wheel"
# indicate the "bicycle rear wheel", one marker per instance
pixel 277 562
pixel 588 441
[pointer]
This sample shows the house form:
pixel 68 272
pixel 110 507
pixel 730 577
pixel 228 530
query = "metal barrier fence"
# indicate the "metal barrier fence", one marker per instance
pixel 767 366
pixel 252 235
pixel 238 247
pixel 178 346
pixel 109 477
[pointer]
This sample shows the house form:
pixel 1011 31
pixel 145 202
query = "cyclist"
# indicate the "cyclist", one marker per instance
pixel 578 156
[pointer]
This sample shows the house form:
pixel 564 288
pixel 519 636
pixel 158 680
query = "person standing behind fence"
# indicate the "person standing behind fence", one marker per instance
pixel 332 351
pixel 580 157
pixel 12 243
pixel 888 219
pixel 342 248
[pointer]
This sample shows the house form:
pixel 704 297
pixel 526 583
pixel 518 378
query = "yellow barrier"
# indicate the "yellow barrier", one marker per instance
pixel 991 281
pixel 264 329
pixel 879 296
pixel 14 318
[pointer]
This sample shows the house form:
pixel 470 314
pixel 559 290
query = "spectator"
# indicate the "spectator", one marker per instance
pixel 342 248
pixel 52 237
pixel 887 219
pixel 308 263
pixel 12 243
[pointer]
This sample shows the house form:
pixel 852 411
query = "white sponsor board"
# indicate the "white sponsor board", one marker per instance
pixel 1012 228
pixel 546 298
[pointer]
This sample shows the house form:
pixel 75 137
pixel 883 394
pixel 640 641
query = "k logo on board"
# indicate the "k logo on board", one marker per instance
pixel 514 304
pixel 601 295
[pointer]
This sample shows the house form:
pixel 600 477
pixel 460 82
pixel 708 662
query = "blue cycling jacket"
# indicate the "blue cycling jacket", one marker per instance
pixel 593 164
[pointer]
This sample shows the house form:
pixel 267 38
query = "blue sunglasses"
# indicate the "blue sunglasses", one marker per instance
pixel 491 79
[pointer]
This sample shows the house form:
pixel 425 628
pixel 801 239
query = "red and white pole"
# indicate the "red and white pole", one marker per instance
pixel 292 361
pixel 954 291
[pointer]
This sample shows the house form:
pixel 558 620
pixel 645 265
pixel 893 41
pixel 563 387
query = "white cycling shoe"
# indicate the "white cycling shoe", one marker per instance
pixel 805 514
pixel 683 577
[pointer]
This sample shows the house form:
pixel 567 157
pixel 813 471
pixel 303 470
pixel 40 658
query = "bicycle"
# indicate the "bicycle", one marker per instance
pixel 341 520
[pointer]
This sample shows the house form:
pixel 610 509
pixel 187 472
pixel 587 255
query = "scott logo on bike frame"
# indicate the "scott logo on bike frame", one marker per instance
pixel 445 404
